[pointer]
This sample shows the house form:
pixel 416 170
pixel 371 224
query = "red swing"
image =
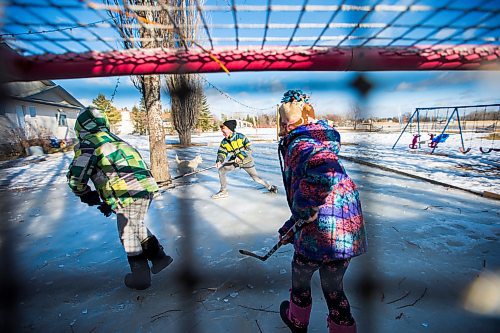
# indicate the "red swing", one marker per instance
pixel 432 143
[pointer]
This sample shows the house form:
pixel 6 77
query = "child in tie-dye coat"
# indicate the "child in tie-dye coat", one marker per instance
pixel 320 192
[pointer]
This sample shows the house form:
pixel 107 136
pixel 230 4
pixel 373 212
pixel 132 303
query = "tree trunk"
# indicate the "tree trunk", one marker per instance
pixel 158 148
pixel 185 138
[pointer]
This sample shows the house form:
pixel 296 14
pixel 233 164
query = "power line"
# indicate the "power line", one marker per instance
pixel 114 91
pixel 223 93
pixel 81 25
pixel 112 95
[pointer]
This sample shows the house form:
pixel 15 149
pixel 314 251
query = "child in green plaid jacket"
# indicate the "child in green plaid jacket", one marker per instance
pixel 124 183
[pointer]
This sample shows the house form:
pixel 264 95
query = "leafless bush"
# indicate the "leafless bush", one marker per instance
pixel 16 141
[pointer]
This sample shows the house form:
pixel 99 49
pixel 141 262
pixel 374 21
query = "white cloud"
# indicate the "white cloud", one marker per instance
pixel 97 82
pixel 85 101
pixel 403 86
pixel 441 80
pixel 277 86
pixel 109 82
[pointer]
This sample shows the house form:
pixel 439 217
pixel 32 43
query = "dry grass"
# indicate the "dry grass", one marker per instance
pixel 492 136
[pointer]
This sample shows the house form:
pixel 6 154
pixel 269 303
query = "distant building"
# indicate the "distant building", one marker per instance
pixel 167 122
pixel 38 109
pixel 243 124
pixel 126 125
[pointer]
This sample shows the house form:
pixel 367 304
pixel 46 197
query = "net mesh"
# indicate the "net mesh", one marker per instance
pixel 237 36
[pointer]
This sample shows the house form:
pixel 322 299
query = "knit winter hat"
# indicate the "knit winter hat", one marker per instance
pixel 294 95
pixel 231 124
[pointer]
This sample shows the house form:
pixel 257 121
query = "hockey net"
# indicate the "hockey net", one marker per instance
pixel 73 39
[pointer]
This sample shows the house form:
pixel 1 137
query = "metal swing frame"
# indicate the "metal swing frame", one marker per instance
pixel 416 114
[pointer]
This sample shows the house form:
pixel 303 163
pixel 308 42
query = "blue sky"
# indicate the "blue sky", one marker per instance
pixel 330 92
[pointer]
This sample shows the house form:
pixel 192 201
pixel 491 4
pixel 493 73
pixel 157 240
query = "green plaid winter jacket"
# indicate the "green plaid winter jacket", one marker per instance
pixel 117 170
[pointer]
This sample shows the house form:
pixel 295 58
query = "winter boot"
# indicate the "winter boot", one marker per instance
pixel 336 328
pixel 154 252
pixel 221 194
pixel 295 317
pixel 140 278
pixel 273 189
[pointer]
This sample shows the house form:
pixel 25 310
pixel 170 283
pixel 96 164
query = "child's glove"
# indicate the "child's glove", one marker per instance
pixel 91 198
pixel 237 162
pixel 105 209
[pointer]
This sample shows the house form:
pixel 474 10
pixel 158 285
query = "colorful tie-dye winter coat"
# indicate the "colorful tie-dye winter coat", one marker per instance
pixel 117 170
pixel 314 177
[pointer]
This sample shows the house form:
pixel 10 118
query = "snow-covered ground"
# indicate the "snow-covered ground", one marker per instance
pixel 427 245
pixel 473 171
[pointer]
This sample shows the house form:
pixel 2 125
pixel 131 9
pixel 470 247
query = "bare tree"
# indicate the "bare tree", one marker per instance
pixel 186 96
pixel 355 114
pixel 185 90
pixel 136 33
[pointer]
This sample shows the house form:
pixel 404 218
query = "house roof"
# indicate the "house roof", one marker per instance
pixel 34 91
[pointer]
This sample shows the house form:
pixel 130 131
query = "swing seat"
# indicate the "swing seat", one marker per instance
pixel 464 151
pixel 414 141
pixel 488 150
pixel 440 138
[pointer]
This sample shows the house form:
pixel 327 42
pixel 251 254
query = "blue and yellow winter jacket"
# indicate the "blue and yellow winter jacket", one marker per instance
pixel 237 145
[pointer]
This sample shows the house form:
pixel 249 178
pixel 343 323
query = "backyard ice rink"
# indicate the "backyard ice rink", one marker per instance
pixel 427 244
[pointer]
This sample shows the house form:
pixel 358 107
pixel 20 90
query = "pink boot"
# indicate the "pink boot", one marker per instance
pixel 336 328
pixel 295 317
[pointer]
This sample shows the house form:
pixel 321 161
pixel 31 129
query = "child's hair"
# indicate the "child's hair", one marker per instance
pixel 296 113
pixel 308 110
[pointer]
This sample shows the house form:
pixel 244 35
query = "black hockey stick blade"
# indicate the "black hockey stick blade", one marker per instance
pixel 266 256
pixel 276 246
pixel 251 254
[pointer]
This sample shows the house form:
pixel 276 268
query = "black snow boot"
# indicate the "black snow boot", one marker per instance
pixel 154 252
pixel 273 189
pixel 140 278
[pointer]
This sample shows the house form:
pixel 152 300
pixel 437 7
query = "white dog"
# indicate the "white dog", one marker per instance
pixel 185 166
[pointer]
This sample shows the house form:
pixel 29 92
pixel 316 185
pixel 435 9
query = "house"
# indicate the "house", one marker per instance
pixel 168 122
pixel 39 109
pixel 243 124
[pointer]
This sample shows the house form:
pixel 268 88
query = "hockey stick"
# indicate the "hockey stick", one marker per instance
pixel 292 230
pixel 166 183
pixel 193 173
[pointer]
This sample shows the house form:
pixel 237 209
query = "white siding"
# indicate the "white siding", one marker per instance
pixel 45 123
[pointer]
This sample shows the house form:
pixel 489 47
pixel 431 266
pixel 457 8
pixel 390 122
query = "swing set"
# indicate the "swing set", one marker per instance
pixel 432 122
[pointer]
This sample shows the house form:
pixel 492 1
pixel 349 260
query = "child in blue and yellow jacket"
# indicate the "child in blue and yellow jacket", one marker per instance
pixel 238 147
